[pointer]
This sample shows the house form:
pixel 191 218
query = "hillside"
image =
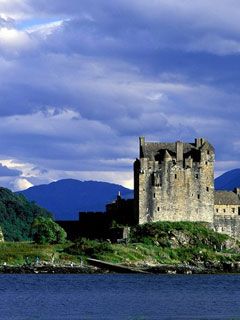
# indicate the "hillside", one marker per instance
pixel 228 181
pixel 17 215
pixel 65 198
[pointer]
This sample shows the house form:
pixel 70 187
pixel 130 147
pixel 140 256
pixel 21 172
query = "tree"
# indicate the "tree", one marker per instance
pixel 17 215
pixel 45 230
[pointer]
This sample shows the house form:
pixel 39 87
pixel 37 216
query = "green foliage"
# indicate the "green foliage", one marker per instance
pixel 45 230
pixel 17 215
pixel 164 243
pixel 173 234
pixel 90 248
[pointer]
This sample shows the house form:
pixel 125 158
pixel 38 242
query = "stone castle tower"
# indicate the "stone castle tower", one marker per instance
pixel 174 181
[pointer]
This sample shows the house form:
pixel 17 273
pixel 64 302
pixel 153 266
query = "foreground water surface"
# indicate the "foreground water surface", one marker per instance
pixel 130 297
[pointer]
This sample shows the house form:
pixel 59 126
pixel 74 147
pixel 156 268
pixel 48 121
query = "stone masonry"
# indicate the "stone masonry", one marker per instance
pixel 227 212
pixel 174 181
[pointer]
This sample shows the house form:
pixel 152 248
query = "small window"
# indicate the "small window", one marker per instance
pixel 207 189
pixel 206 163
pixel 157 208
pixel 233 210
pixel 198 196
pixel 224 210
pixel 196 176
pixel 208 152
pixel 216 210
pixel 175 176
pixel 154 195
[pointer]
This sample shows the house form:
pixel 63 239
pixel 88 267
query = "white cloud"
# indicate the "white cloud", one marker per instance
pixel 21 184
pixel 13 41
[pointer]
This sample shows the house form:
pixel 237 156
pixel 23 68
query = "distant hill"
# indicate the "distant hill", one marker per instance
pixel 228 181
pixel 17 215
pixel 65 198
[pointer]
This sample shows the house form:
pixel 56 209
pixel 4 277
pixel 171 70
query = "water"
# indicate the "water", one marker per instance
pixel 119 297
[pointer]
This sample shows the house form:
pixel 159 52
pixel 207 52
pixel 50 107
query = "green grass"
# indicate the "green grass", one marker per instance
pixel 19 253
pixel 165 243
pixel 154 243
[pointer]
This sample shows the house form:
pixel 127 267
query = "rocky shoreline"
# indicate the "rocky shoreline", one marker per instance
pixel 209 268
pixel 49 269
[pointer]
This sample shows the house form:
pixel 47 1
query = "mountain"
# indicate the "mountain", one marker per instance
pixel 228 181
pixel 17 215
pixel 65 198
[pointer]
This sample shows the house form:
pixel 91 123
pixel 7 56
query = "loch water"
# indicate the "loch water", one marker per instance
pixel 119 297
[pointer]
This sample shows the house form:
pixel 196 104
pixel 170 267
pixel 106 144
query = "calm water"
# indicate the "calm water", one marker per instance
pixel 130 297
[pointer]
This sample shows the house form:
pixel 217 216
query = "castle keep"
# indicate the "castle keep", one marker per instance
pixel 174 181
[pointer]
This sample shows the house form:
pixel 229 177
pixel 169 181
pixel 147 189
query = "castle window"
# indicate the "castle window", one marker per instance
pixel 198 196
pixel 208 152
pixel 154 195
pixel 196 176
pixel 233 210
pixel 216 210
pixel 207 189
pixel 158 208
pixel 206 163
pixel 175 176
pixel 224 210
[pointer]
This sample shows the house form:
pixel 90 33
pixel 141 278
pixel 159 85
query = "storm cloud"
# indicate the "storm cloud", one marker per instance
pixel 81 80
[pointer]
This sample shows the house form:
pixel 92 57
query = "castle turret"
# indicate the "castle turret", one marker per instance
pixel 141 146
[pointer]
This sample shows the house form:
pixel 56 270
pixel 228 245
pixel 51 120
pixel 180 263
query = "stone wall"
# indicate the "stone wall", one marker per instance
pixel 222 210
pixel 227 224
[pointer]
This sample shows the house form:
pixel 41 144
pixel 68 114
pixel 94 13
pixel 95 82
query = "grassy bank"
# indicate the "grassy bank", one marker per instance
pixel 20 253
pixel 164 243
pixel 149 244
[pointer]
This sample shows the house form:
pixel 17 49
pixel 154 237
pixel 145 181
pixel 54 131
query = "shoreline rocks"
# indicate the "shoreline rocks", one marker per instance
pixel 104 267
pixel 49 269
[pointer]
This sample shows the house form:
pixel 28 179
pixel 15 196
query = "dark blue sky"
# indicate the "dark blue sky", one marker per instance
pixel 82 79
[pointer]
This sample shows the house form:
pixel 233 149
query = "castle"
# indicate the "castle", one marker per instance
pixel 172 182
pixel 175 182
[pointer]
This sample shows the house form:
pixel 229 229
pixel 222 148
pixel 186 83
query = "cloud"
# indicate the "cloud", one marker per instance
pixel 82 80
pixel 6 172
pixel 21 184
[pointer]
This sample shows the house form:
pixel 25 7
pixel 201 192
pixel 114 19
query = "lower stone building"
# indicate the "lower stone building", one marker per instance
pixel 227 202
pixel 227 212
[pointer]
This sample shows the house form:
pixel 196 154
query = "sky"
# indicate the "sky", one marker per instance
pixel 81 80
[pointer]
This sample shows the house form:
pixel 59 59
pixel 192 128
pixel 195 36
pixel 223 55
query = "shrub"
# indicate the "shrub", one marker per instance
pixel 89 247
pixel 45 230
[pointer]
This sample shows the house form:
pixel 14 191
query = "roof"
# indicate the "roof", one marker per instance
pixel 226 198
pixel 152 148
